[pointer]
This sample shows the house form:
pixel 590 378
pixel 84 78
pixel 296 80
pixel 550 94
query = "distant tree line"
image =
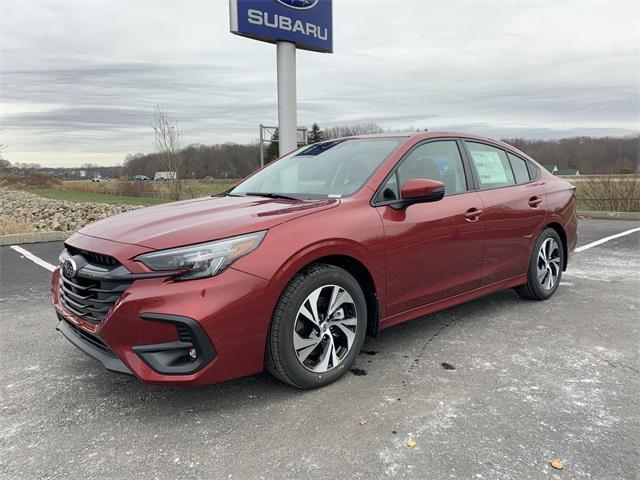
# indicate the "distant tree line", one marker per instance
pixel 229 160
pixel 586 154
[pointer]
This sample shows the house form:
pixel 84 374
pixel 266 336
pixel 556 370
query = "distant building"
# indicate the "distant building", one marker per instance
pixel 552 168
pixel 569 172
pixel 83 173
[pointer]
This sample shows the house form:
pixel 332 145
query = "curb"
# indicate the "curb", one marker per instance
pixel 610 215
pixel 35 237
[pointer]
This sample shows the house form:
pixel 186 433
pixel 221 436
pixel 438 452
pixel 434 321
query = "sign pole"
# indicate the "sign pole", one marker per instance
pixel 287 115
pixel 261 145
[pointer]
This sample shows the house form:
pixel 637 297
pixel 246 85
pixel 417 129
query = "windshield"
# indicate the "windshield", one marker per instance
pixel 336 168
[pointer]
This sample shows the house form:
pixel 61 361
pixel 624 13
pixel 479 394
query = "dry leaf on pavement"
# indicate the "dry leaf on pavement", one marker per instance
pixel 557 464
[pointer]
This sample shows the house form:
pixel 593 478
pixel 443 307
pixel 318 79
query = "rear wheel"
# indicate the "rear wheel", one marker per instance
pixel 545 267
pixel 318 327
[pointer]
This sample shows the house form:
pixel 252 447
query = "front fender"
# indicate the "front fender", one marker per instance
pixel 288 248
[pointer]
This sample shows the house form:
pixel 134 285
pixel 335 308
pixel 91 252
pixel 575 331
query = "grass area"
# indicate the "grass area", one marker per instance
pixel 80 197
pixel 190 188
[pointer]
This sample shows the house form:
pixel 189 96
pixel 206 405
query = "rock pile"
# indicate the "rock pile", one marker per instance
pixel 47 215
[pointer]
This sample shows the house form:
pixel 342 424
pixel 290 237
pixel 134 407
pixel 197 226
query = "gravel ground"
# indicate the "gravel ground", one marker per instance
pixel 493 389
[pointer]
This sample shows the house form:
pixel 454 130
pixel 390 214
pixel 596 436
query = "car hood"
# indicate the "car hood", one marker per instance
pixel 201 220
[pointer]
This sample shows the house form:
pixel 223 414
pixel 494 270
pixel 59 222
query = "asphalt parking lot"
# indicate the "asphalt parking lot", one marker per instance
pixel 492 389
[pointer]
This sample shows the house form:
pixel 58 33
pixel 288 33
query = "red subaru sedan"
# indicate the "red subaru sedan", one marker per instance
pixel 292 268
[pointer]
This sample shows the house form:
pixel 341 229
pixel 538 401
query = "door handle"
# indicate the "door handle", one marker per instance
pixel 534 202
pixel 473 214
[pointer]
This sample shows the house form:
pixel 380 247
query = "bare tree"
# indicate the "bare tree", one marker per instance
pixel 4 163
pixel 168 144
pixel 351 130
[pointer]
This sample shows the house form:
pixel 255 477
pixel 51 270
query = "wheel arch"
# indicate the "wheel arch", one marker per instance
pixel 563 236
pixel 353 266
pixel 361 273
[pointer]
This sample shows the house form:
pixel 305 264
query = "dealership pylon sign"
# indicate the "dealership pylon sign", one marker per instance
pixel 307 23
pixel 290 24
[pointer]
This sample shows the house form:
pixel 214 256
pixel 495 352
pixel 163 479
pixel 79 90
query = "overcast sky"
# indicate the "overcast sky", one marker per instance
pixel 79 79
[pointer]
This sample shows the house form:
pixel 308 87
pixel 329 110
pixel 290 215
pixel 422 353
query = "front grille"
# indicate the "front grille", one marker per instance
pixel 87 337
pixel 92 290
pixel 93 257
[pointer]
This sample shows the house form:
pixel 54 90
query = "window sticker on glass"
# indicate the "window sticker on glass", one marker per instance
pixel 490 167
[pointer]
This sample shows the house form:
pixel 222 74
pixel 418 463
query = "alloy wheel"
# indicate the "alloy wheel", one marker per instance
pixel 325 328
pixel 548 263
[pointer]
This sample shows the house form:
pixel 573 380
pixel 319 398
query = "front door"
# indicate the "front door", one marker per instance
pixel 433 250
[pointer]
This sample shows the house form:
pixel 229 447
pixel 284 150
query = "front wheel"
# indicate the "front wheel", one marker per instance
pixel 545 267
pixel 318 328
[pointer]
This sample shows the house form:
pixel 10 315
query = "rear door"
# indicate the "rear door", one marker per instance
pixel 434 250
pixel 515 208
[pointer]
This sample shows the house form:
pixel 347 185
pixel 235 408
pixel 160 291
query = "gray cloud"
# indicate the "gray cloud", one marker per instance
pixel 79 79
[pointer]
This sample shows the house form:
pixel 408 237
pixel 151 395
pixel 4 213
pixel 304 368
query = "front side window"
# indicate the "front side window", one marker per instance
pixel 436 161
pixel 338 168
pixel 492 165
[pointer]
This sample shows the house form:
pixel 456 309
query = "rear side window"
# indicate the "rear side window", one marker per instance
pixel 492 165
pixel 533 171
pixel 519 167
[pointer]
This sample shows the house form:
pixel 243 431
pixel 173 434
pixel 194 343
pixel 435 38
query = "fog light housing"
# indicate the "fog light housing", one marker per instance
pixel 190 353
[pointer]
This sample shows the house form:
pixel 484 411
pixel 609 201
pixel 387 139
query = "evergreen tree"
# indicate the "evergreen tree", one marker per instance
pixel 315 135
pixel 273 149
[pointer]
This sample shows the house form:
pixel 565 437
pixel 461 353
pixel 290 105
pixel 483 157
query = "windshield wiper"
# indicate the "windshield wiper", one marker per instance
pixel 270 195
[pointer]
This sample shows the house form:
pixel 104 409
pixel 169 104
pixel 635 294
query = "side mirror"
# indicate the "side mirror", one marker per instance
pixel 421 190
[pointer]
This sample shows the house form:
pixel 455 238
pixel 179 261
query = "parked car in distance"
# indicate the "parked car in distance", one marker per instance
pixel 291 268
pixel 164 176
pixel 140 178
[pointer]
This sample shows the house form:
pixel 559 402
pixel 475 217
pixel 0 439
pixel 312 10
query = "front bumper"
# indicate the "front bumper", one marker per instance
pixel 225 318
pixel 91 345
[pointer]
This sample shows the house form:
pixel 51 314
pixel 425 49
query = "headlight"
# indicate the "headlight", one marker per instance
pixel 204 259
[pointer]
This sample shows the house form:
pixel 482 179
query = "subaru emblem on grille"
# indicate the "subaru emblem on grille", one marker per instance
pixel 69 268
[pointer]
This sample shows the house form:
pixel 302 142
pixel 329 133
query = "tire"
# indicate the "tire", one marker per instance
pixel 548 254
pixel 296 327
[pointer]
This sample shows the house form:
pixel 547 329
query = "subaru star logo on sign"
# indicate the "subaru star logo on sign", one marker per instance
pixel 299 4
pixel 307 23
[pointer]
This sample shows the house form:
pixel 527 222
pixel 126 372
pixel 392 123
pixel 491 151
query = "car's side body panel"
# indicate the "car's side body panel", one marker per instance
pixel 451 301
pixel 432 251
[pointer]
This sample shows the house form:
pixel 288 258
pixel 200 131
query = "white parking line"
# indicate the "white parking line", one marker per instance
pixel 33 258
pixel 606 239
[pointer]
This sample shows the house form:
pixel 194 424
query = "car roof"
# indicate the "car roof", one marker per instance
pixel 425 134
pixel 417 136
